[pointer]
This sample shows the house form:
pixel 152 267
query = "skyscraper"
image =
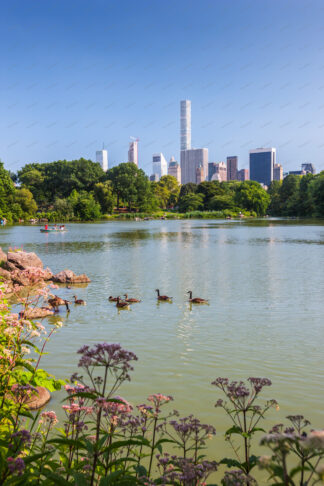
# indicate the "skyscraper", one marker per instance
pixel 174 169
pixel 160 166
pixel 133 152
pixel 190 161
pixel 277 172
pixel 262 161
pixel 185 125
pixel 232 168
pixel 102 158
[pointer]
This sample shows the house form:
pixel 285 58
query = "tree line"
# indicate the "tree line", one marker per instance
pixel 81 190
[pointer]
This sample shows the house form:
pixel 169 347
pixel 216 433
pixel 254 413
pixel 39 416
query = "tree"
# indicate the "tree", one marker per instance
pixel 251 196
pixel 317 193
pixel 103 192
pixel 188 188
pixel 7 190
pixel 191 202
pixel 275 203
pixel 130 185
pixel 24 198
pixel 221 202
pixel 289 193
pixel 85 207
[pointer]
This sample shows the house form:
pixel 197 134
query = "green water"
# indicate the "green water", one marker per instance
pixel 265 283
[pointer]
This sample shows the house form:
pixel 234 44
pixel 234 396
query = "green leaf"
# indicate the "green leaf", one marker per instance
pixel 234 430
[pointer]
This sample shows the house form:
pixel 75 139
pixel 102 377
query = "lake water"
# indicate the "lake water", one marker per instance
pixel 265 283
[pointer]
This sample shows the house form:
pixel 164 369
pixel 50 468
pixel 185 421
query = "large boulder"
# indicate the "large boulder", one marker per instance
pixel 37 313
pixel 3 256
pixel 4 274
pixel 23 260
pixel 67 276
pixel 33 400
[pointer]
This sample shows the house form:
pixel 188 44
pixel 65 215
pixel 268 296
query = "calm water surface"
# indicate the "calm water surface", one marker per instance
pixel 265 283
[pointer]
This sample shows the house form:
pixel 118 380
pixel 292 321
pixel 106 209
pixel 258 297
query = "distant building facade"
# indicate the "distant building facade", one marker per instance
pixel 133 152
pixel 190 161
pixel 102 158
pixel 277 172
pixel 308 168
pixel 262 162
pixel 185 125
pixel 231 168
pixel 174 169
pixel 218 171
pixel 243 175
pixel 160 166
pixel 200 176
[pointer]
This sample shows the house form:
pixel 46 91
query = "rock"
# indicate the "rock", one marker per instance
pixel 23 260
pixel 4 274
pixel 37 313
pixel 3 256
pixel 11 267
pixel 67 276
pixel 36 399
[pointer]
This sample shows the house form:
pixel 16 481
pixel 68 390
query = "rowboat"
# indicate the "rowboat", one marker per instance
pixel 52 230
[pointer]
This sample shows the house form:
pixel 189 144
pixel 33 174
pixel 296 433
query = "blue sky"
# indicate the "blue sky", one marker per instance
pixel 76 74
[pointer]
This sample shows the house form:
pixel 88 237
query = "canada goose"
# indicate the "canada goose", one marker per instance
pixel 196 300
pixel 56 302
pixel 130 300
pixel 162 297
pixel 121 304
pixel 112 299
pixel 79 301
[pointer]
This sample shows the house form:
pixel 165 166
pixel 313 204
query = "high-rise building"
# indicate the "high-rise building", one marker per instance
pixel 102 158
pixel 133 152
pixel 218 171
pixel 185 125
pixel 232 168
pixel 160 166
pixel 200 176
pixel 190 161
pixel 277 172
pixel 308 168
pixel 174 169
pixel 262 162
pixel 243 175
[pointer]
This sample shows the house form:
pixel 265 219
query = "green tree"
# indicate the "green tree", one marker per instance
pixel 103 192
pixel 188 188
pixel 7 190
pixel 191 202
pixel 24 198
pixel 131 186
pixel 251 196
pixel 317 194
pixel 221 202
pixel 289 195
pixel 275 202
pixel 85 207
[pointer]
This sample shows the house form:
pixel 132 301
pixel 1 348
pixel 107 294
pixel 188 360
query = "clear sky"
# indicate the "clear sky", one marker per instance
pixel 79 73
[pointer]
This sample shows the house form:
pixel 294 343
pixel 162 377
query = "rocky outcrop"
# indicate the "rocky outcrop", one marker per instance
pixel 37 313
pixel 23 260
pixel 67 276
pixel 34 399
pixel 26 269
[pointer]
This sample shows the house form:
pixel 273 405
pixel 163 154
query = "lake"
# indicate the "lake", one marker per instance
pixel 264 280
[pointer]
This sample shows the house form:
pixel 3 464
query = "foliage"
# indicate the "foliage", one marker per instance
pixel 251 196
pixel 191 202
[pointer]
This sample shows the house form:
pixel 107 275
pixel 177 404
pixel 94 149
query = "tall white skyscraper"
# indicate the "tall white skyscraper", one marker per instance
pixel 133 152
pixel 160 166
pixel 102 158
pixel 185 125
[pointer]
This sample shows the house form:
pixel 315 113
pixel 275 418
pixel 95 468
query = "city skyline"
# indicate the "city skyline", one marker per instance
pixel 260 86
